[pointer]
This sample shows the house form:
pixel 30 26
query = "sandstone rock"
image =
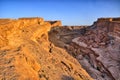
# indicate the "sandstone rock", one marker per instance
pixel 79 43
pixel 55 23
pixel 34 49
pixel 27 54
pixel 97 49
pixel 103 59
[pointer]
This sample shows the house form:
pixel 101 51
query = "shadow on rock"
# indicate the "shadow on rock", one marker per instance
pixel 65 77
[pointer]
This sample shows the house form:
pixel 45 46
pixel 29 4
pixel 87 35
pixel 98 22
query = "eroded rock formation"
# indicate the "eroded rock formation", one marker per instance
pixel 96 47
pixel 27 54
pixel 34 49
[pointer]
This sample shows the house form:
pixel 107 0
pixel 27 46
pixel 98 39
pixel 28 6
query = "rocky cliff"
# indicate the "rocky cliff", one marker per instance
pixel 96 47
pixel 34 49
pixel 26 52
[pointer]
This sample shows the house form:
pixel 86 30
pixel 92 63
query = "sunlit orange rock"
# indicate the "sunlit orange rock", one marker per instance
pixel 26 53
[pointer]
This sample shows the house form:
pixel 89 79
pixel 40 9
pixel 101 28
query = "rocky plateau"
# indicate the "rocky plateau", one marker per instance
pixel 34 49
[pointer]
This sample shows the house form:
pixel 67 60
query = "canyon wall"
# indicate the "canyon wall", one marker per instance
pixel 27 54
pixel 101 49
pixel 34 49
pixel 96 47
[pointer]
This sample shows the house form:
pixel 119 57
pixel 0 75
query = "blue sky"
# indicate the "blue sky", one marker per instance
pixel 70 12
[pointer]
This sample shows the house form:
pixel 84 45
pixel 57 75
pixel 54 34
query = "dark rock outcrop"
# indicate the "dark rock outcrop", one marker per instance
pixel 96 47
pixel 101 53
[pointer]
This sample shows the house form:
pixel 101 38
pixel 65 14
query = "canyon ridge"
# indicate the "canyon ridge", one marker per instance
pixel 34 49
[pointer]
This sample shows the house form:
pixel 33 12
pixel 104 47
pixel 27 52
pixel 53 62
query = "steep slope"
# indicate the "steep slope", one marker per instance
pixel 27 54
pixel 103 43
pixel 97 47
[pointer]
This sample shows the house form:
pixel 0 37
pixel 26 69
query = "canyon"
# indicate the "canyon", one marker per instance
pixel 34 49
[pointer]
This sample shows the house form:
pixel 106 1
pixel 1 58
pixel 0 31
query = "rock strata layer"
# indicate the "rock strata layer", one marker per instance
pixel 96 47
pixel 34 49
pixel 27 54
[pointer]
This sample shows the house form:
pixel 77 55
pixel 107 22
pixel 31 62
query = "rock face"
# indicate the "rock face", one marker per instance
pixel 27 54
pixel 96 47
pixel 34 49
pixel 55 23
pixel 102 50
